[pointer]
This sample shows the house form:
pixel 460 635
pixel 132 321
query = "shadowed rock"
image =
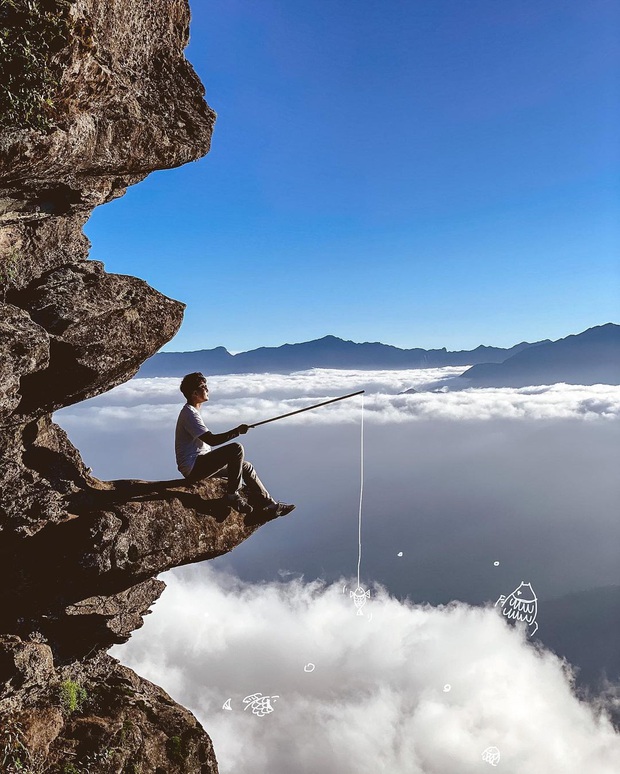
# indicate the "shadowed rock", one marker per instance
pixel 79 557
pixel 99 716
pixel 116 536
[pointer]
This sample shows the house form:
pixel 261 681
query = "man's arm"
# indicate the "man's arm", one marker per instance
pixel 215 439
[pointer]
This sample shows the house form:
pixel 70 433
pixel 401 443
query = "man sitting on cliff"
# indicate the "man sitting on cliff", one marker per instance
pixel 196 460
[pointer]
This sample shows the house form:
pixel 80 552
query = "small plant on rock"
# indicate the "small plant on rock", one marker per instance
pixel 93 760
pixel 14 755
pixel 33 33
pixel 72 696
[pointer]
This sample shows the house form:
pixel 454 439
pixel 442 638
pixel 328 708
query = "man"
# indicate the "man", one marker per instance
pixel 196 459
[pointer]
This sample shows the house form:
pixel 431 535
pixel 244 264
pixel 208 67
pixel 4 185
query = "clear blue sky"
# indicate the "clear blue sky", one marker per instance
pixel 418 172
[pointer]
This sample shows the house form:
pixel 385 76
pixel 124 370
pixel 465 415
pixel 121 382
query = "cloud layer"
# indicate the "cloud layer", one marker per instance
pixel 456 480
pixel 378 698
pixel 254 397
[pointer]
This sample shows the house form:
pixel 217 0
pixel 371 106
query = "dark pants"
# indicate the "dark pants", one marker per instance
pixel 238 471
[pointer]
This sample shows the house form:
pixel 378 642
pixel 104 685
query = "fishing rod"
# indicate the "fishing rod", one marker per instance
pixel 309 408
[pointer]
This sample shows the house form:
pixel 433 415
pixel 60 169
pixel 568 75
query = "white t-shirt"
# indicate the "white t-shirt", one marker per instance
pixel 187 443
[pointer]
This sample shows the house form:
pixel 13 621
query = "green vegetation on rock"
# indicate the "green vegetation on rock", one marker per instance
pixel 32 34
pixel 72 696
pixel 15 757
pixel 174 748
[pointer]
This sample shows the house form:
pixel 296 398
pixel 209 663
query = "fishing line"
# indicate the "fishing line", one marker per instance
pixel 360 596
pixel 359 533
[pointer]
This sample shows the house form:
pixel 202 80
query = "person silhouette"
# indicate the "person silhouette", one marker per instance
pixel 197 460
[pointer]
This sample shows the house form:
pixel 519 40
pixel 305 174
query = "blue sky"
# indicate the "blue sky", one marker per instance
pixel 423 172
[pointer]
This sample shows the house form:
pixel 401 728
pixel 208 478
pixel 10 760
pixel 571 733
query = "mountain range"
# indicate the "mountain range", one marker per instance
pixel 327 352
pixel 586 358
pixel 591 357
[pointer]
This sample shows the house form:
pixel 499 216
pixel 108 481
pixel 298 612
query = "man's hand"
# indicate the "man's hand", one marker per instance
pixel 242 429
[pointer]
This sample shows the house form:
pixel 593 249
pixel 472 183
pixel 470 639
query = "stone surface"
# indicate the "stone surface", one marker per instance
pixel 114 538
pixel 117 721
pixel 99 327
pixel 78 556
pixel 25 348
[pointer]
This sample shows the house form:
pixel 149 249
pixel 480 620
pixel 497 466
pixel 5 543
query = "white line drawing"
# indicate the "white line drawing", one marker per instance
pixel 260 705
pixel 447 687
pixel 491 755
pixel 496 564
pixel 309 667
pixel 360 596
pixel 400 553
pixel 344 588
pixel 226 705
pixel 521 605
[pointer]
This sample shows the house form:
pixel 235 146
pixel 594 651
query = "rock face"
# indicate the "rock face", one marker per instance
pixel 78 556
pixel 93 716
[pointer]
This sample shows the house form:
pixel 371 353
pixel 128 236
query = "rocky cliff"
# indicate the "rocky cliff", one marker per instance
pixel 94 95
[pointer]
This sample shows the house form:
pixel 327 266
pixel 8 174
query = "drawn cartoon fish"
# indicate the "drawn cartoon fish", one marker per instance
pixel 521 605
pixel 259 704
pixel 359 598
pixel 491 755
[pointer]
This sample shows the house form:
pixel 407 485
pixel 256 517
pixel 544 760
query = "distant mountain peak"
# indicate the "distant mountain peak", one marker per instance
pixel 590 357
pixel 329 351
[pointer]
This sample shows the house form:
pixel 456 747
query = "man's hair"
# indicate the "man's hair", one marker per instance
pixel 191 382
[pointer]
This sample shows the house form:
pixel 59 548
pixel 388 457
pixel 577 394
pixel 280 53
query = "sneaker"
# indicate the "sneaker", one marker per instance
pixel 239 503
pixel 279 509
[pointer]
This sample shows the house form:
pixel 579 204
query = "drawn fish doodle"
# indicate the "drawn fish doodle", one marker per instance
pixel 259 704
pixel 491 755
pixel 359 598
pixel 521 605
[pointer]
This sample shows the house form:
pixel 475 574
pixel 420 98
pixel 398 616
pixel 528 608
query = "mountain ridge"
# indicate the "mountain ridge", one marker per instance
pixel 589 357
pixel 326 352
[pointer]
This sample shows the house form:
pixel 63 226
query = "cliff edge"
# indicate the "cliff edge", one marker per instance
pixel 94 95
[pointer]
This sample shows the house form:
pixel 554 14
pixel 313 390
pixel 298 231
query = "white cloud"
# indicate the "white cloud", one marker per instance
pixel 527 475
pixel 254 397
pixel 375 702
pixel 456 480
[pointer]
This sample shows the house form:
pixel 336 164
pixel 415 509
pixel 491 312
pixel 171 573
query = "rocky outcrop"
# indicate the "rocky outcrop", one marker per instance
pixel 91 716
pixel 103 557
pixel 79 557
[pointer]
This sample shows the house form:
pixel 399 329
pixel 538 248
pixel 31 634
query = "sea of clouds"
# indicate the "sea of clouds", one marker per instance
pixel 253 397
pixel 453 480
pixel 465 495
pixel 403 689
